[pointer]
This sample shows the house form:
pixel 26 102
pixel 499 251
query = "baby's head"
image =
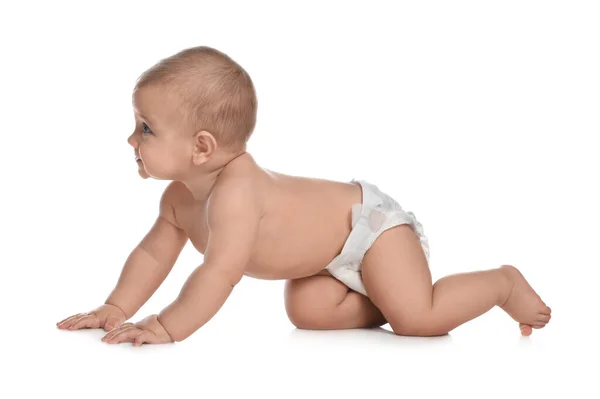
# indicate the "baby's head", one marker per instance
pixel 193 111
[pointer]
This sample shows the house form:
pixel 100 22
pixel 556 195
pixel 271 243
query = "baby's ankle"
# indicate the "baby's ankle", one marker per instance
pixel 506 286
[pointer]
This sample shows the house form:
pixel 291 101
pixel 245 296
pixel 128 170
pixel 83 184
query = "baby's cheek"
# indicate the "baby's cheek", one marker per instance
pixel 161 166
pixel 179 160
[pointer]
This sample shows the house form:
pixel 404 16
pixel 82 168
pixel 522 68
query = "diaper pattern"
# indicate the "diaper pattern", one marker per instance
pixel 377 213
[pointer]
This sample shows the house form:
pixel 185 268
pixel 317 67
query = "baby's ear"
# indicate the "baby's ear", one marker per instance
pixel 205 145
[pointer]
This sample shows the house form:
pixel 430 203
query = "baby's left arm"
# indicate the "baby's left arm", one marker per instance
pixel 233 215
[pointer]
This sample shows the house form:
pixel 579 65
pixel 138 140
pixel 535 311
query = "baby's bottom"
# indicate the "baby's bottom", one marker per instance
pixel 321 302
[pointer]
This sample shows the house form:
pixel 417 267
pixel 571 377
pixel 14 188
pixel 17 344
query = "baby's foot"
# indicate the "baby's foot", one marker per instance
pixel 523 304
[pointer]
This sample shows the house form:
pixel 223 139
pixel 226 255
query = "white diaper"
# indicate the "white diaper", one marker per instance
pixel 377 213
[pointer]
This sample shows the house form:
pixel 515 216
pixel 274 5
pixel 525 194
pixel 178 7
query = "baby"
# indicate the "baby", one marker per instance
pixel 352 257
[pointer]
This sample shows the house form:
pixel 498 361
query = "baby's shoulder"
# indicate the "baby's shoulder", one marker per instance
pixel 235 191
pixel 176 193
pixel 173 197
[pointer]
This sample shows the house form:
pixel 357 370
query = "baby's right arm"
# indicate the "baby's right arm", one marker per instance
pixel 145 269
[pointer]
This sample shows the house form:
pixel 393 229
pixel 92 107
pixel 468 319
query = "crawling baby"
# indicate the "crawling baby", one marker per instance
pixel 352 257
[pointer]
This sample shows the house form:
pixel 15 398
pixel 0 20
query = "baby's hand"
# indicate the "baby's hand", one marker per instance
pixel 148 330
pixel 105 316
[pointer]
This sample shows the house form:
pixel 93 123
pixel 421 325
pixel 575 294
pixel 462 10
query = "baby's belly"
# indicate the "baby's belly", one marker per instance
pixel 299 249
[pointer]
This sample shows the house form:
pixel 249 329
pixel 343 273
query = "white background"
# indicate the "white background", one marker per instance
pixel 478 116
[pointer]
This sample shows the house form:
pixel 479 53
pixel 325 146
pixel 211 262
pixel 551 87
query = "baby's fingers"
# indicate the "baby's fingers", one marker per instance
pixel 85 321
pixel 112 322
pixel 145 337
pixel 116 331
pixel 66 323
pixel 127 334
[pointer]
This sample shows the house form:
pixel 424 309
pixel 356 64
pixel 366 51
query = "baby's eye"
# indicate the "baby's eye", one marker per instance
pixel 145 128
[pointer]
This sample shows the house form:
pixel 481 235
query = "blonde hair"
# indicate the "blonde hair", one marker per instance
pixel 216 93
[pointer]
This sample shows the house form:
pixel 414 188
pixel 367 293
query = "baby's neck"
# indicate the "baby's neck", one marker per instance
pixel 202 184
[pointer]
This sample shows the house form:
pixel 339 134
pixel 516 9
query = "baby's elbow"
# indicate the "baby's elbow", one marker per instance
pixel 233 278
pixel 221 274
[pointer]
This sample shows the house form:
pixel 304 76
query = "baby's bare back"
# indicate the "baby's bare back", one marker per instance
pixel 305 224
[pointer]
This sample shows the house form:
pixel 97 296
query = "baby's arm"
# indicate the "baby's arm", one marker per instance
pixel 145 269
pixel 151 261
pixel 233 214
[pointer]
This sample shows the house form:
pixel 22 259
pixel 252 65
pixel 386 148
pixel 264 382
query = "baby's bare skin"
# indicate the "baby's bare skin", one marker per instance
pixel 304 225
pixel 251 221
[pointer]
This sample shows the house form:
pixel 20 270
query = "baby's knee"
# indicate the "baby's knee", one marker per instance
pixel 303 322
pixel 303 316
pixel 311 302
pixel 299 314
pixel 295 313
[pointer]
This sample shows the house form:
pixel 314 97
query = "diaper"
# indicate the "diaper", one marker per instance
pixel 377 213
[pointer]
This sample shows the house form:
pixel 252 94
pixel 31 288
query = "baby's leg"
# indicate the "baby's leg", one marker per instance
pixel 321 302
pixel 397 278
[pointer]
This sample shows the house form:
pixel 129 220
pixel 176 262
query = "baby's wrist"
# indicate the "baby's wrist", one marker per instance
pixel 127 316
pixel 164 328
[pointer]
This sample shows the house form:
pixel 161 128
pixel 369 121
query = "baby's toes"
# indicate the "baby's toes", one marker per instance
pixel 541 308
pixel 542 320
pixel 525 329
pixel 547 310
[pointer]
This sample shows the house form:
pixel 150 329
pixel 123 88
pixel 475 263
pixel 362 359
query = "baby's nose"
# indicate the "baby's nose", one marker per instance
pixel 132 141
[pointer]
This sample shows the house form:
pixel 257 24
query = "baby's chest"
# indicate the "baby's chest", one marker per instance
pixel 192 220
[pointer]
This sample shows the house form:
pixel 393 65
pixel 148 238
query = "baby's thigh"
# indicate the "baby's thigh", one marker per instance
pixel 311 296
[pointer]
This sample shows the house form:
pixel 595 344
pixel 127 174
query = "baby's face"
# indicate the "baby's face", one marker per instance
pixel 162 149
